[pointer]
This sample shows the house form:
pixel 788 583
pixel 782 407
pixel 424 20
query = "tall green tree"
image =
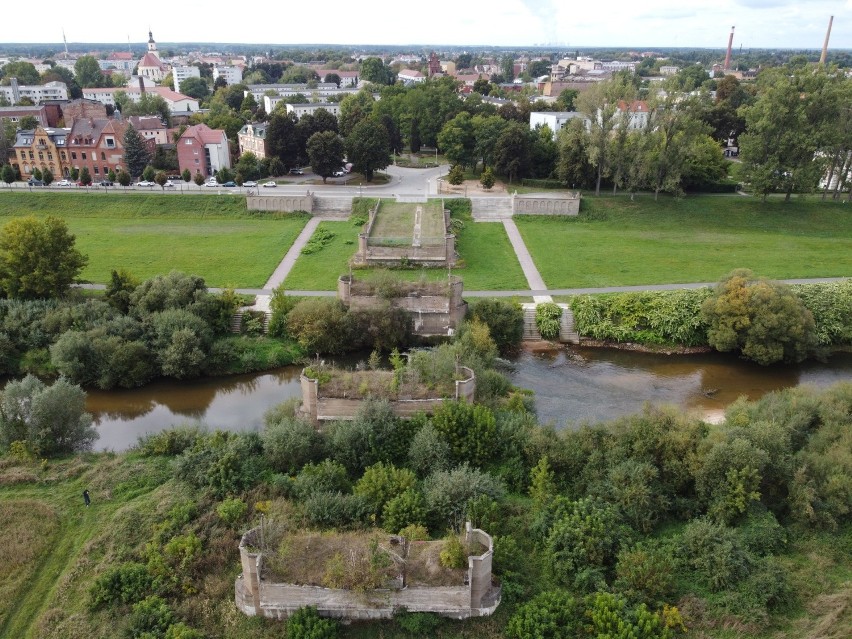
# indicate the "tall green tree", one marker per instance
pixel 195 88
pixel 87 72
pixel 368 147
pixel 325 152
pixel 25 72
pixel 38 258
pixel 7 174
pixel 374 70
pixel 353 109
pixel 136 154
pixel 281 139
pixel 512 152
pixel 457 140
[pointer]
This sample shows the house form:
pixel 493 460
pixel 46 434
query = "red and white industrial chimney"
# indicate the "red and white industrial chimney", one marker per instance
pixel 728 54
pixel 825 44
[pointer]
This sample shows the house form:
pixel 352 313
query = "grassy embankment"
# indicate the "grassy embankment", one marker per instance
pixel 147 235
pixel 616 242
pixel 489 263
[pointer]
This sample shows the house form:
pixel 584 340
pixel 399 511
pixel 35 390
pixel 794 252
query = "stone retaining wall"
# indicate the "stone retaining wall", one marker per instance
pixel 546 205
pixel 280 203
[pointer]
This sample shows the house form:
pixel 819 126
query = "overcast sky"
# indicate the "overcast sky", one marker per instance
pixel 618 23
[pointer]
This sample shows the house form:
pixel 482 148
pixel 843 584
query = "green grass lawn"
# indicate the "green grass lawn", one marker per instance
pixel 319 271
pixel 697 239
pixel 211 236
pixel 489 263
pixel 396 220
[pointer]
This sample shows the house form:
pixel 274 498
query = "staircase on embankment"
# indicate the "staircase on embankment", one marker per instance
pixel 237 321
pixel 491 208
pixel 567 333
pixel 337 206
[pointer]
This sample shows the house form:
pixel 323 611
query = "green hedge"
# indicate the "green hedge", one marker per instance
pixel 649 317
pixel 715 187
pixel 674 317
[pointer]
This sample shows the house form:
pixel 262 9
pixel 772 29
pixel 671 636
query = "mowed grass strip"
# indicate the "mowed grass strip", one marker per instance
pixel 206 235
pixel 615 242
pixel 319 271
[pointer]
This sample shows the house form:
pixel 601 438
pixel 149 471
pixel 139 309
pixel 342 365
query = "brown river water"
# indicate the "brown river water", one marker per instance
pixel 572 386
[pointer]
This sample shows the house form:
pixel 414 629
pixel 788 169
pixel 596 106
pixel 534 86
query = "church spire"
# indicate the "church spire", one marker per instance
pixel 152 46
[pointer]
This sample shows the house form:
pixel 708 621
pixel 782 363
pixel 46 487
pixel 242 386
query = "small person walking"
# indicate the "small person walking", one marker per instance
pixel 86 498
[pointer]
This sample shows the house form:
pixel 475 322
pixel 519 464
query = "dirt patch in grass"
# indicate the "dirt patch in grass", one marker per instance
pixel 423 566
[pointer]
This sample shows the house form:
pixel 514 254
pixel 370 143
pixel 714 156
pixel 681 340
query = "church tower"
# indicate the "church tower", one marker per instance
pixel 152 46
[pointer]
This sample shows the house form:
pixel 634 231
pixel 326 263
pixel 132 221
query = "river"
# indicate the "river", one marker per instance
pixel 572 386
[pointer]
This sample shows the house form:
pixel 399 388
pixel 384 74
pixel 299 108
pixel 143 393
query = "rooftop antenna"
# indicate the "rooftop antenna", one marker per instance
pixel 825 44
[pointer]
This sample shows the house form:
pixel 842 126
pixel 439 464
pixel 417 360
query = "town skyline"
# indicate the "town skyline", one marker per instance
pixel 781 24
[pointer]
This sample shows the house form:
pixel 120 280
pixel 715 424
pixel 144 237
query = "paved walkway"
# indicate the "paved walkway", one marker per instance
pixel 527 265
pixel 283 269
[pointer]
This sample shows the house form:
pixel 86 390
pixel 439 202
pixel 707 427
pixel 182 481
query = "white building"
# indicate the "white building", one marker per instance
pixel 410 76
pixel 311 108
pixel 38 93
pixel 669 70
pixel 177 102
pixel 556 120
pixel 637 111
pixel 232 75
pixel 179 74
pixel 320 91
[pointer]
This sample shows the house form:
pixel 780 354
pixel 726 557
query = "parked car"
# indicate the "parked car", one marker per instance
pixel 34 182
pixel 250 184
pixel 339 173
pixel 296 172
pixel 211 183
pixel 105 183
pixel 270 184
pixel 64 183
pixel 169 184
pixel 145 183
pixel 229 184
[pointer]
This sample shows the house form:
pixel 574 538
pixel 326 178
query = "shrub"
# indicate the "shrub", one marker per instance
pixel 381 483
pixel 151 617
pixel 320 325
pixel 714 553
pixel 453 554
pixel 645 573
pixel 404 511
pixel 231 510
pixel 429 452
pixel 830 303
pixel 290 443
pixel 383 328
pixel 505 321
pixel 125 583
pixel 349 442
pixel 171 442
pixel 456 175
pixel 550 615
pixel 321 237
pixel 280 304
pixel 415 532
pixel 163 292
pixel 325 477
pixel 335 510
pixel 470 430
pixel 763 320
pixel 182 631
pixel 547 318
pixel 306 623
pixel 419 624
pixel 447 494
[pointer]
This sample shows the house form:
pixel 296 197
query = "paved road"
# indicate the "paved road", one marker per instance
pixel 403 181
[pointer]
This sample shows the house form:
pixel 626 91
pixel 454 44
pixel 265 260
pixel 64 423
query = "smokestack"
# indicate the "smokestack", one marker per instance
pixel 728 54
pixel 825 44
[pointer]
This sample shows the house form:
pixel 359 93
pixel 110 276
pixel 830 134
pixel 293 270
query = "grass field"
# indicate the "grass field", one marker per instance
pixel 489 263
pixel 211 236
pixel 698 239
pixel 395 220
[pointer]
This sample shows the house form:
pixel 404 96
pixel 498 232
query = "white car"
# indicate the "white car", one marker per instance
pixel 211 183
pixel 270 184
pixel 169 184
pixel 339 173
pixel 65 183
pixel 145 183
pixel 250 184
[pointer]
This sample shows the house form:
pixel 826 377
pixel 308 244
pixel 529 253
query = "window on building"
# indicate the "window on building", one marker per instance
pixel 73 155
pixel 106 170
pixel 82 156
pixel 62 155
pixel 96 171
pixel 110 142
pixel 103 156
pixel 196 160
pixel 188 141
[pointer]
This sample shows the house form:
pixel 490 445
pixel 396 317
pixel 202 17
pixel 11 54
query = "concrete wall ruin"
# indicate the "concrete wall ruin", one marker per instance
pixel 477 597
pixel 283 204
pixel 318 408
